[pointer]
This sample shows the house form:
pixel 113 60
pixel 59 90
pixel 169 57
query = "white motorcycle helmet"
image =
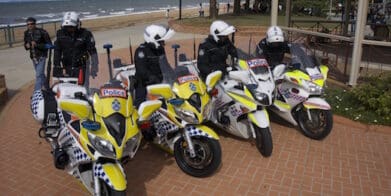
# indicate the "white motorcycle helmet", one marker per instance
pixel 157 33
pixel 37 105
pixel 71 19
pixel 274 35
pixel 220 28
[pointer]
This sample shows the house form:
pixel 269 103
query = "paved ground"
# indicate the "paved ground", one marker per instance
pixel 353 160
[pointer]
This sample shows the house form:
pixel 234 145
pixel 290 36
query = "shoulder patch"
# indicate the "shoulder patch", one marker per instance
pixel 201 52
pixel 141 54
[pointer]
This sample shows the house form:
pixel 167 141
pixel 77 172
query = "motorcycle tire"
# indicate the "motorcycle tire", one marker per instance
pixel 263 140
pixel 106 190
pixel 321 125
pixel 207 160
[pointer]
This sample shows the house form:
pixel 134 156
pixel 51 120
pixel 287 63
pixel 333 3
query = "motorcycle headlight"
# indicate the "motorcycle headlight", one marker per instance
pixel 187 116
pixel 132 144
pixel 262 98
pixel 102 146
pixel 312 87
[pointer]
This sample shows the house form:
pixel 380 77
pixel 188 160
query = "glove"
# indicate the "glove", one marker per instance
pixel 94 71
pixel 57 71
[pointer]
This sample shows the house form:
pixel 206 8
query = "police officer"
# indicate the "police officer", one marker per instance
pixel 74 48
pixel 147 59
pixel 214 51
pixel 35 40
pixel 273 47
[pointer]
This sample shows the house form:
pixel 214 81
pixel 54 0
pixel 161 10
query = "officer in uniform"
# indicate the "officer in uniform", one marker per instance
pixel 273 47
pixel 214 51
pixel 147 59
pixel 74 49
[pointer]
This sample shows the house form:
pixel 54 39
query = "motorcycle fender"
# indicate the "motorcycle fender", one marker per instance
pixel 260 118
pixel 316 103
pixel 201 130
pixel 112 174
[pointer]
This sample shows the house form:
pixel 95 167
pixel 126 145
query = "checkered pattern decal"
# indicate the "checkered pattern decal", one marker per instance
pixel 100 173
pixel 80 155
pixel 162 126
pixel 35 100
pixel 194 131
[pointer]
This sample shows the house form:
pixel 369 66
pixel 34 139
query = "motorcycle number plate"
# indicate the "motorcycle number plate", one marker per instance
pixel 314 73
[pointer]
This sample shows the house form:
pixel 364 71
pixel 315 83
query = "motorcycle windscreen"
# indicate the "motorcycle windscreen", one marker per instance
pixel 302 57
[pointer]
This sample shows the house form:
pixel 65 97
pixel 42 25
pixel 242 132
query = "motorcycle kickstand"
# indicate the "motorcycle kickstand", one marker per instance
pixel 190 144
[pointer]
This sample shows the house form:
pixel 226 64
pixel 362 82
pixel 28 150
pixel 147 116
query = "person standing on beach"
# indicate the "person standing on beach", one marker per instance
pixel 35 40
pixel 75 50
pixel 214 51
pixel 147 59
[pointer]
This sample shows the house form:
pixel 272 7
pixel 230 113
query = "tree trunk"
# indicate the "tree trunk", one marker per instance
pixel 213 9
pixel 247 5
pixel 236 7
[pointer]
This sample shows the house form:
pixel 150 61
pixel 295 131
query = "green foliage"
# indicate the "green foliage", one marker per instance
pixel 369 102
pixel 375 94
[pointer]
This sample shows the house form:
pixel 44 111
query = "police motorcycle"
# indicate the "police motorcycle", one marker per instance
pixel 299 94
pixel 91 135
pixel 178 125
pixel 240 100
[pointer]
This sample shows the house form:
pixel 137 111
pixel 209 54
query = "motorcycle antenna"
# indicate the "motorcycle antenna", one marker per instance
pixel 130 51
pixel 194 48
pixel 49 67
pixel 175 47
pixel 108 46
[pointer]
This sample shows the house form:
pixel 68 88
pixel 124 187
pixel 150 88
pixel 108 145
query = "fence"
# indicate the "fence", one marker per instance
pixel 12 34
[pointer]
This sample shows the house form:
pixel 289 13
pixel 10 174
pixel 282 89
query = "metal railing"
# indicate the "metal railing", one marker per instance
pixel 11 34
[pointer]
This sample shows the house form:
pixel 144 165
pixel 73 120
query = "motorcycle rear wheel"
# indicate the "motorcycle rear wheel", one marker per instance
pixel 264 141
pixel 319 127
pixel 106 190
pixel 206 161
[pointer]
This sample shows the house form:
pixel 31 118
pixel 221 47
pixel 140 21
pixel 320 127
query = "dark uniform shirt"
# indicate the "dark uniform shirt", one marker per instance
pixel 274 54
pixel 41 38
pixel 147 64
pixel 72 50
pixel 212 56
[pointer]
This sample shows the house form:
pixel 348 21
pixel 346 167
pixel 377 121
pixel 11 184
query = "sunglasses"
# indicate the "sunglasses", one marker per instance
pixel 30 23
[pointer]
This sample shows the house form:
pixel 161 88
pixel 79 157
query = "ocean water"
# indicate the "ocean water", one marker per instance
pixel 16 11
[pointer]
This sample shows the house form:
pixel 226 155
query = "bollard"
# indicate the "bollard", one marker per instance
pixel 9 35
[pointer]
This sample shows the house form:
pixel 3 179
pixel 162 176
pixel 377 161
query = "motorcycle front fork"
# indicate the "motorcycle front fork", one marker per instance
pixel 190 145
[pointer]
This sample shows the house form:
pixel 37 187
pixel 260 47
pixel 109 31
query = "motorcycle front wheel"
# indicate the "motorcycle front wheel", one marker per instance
pixel 263 140
pixel 106 190
pixel 206 160
pixel 320 124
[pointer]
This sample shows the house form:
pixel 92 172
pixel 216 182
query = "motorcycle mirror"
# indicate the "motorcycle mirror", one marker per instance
pixel 212 79
pixel 278 71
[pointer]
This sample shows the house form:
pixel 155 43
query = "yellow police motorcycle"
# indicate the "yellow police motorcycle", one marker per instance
pixel 240 100
pixel 299 94
pixel 91 135
pixel 177 125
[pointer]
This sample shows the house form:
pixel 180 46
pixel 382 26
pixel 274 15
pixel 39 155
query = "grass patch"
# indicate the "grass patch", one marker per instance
pixel 247 20
pixel 345 103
